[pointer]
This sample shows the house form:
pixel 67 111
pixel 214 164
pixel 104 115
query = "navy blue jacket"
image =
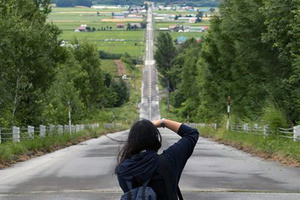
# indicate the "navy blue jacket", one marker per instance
pixel 145 166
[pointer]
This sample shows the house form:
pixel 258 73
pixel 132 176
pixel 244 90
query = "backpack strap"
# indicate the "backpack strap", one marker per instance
pixel 130 186
pixel 166 176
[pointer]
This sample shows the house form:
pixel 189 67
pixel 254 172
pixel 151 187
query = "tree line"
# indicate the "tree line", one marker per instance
pixel 72 3
pixel 251 54
pixel 39 76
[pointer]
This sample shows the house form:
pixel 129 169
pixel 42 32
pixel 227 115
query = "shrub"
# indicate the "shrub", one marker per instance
pixel 273 117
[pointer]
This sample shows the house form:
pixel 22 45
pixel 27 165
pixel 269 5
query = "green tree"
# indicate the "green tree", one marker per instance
pixel 163 56
pixel 94 95
pixel 29 54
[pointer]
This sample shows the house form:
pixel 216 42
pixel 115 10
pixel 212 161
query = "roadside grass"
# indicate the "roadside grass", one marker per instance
pixel 274 148
pixel 271 147
pixel 11 152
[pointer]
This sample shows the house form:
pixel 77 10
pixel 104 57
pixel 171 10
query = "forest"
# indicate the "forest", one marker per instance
pixel 39 76
pixel 251 54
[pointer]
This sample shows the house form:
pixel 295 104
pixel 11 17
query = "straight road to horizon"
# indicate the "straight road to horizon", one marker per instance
pixel 86 171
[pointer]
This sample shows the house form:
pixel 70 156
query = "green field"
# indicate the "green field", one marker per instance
pixel 68 19
pixel 188 35
pixel 109 66
pixel 167 24
pixel 186 12
pixel 134 40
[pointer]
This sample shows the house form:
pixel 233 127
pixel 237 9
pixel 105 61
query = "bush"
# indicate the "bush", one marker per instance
pixel 106 55
pixel 273 117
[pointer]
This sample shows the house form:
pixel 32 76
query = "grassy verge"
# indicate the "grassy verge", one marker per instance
pixel 282 150
pixel 11 152
pixel 279 149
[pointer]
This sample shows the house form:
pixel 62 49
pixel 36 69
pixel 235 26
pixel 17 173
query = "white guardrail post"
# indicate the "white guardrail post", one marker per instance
pixel 266 130
pixel 59 129
pixel 51 129
pixel 255 128
pixel 66 129
pixel 30 130
pixel 16 134
pixel 246 128
pixel 42 131
pixel 296 135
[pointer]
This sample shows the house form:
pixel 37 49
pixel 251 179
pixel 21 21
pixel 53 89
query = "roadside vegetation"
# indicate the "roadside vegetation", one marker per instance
pixel 39 76
pixel 11 152
pixel 256 62
pixel 250 53
pixel 283 150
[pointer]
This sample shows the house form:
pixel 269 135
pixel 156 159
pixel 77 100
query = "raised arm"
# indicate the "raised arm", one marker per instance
pixel 172 125
pixel 178 153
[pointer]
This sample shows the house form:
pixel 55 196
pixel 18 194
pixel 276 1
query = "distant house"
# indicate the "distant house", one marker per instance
pixel 173 28
pixel 163 29
pixel 192 20
pixel 181 39
pixel 205 28
pixel 120 25
pixel 82 28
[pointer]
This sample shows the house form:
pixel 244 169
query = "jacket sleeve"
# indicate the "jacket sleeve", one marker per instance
pixel 178 154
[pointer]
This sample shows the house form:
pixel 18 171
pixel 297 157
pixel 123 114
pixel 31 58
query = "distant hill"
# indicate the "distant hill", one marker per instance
pixel 70 3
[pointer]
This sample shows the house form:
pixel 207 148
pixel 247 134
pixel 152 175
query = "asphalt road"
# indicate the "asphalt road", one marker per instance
pixel 149 106
pixel 86 171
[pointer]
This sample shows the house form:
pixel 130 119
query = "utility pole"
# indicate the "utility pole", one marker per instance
pixel 228 112
pixel 69 113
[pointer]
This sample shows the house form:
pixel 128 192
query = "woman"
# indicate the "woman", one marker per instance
pixel 138 160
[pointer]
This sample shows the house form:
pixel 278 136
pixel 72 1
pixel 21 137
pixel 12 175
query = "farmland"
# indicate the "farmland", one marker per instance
pixel 170 22
pixel 106 37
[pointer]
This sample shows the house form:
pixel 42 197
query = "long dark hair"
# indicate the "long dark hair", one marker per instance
pixel 143 135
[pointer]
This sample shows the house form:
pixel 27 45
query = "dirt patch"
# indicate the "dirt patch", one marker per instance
pixel 268 156
pixel 121 20
pixel 120 67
